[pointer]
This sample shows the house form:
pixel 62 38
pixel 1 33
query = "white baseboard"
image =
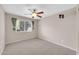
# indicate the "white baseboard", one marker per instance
pixel 18 41
pixel 61 45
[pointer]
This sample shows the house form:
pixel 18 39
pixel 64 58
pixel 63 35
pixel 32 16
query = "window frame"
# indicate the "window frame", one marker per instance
pixel 24 26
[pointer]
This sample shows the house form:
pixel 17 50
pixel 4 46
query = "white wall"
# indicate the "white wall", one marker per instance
pixel 2 30
pixel 59 31
pixel 77 30
pixel 12 36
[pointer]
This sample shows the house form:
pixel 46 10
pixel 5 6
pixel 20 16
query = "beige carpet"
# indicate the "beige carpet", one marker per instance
pixel 36 47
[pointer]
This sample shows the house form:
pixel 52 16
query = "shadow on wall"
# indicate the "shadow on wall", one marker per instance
pixel 59 31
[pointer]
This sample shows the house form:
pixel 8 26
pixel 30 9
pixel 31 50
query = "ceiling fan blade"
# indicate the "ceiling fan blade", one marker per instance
pixel 39 16
pixel 40 12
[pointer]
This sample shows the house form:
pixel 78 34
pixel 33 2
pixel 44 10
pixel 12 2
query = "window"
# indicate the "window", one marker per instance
pixel 20 26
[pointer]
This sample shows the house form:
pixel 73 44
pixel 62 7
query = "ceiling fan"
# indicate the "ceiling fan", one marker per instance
pixel 34 13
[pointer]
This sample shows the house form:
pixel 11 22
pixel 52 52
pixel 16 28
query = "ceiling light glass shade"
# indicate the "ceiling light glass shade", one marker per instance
pixel 34 14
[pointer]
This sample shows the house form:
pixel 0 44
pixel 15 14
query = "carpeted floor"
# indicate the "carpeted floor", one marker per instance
pixel 36 47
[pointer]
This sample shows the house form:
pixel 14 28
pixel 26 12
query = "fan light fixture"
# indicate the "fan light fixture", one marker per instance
pixel 34 14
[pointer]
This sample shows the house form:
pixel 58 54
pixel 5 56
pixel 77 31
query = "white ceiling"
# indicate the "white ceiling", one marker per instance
pixel 49 9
